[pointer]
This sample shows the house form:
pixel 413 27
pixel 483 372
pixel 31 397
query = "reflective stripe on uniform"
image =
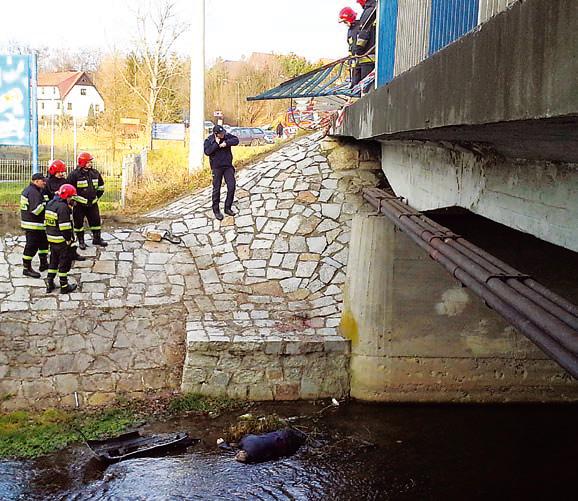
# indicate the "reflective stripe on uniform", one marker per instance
pixel 82 184
pixel 42 252
pixel 79 230
pixel 29 225
pixel 65 226
pixel 79 199
pixel 52 272
pixel 38 210
pixel 61 274
pixel 55 239
pixel 27 258
pixel 94 228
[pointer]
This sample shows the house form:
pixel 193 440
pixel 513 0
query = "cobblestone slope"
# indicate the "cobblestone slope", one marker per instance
pixel 261 288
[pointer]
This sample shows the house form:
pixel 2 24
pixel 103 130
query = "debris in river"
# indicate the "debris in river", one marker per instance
pixel 134 444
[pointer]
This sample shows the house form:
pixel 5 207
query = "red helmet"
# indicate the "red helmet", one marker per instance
pixel 66 191
pixel 56 167
pixel 362 2
pixel 84 158
pixel 347 15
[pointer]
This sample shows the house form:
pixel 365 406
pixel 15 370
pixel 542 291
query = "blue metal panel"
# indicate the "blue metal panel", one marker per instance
pixel 15 100
pixel 386 40
pixel 451 19
pixel 34 112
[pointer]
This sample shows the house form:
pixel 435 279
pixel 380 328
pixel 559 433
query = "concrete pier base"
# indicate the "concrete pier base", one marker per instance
pixel 418 336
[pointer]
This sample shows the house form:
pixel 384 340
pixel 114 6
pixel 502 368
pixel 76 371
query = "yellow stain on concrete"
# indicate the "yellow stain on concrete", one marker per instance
pixel 349 327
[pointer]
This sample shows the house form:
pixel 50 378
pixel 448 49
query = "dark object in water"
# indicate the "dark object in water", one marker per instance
pixel 258 448
pixel 133 444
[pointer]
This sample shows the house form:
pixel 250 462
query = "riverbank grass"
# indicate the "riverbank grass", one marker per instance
pixel 29 435
pixel 25 435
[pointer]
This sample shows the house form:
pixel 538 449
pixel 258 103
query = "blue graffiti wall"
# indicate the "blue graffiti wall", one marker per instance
pixel 15 100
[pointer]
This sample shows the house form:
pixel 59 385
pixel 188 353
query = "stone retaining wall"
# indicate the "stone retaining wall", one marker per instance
pixel 268 370
pixel 254 300
pixel 89 357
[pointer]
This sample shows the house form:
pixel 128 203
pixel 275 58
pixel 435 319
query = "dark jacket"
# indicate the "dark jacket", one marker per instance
pixel 88 183
pixel 352 34
pixel 58 220
pixel 220 157
pixel 272 445
pixel 32 204
pixel 280 129
pixel 367 11
pixel 366 35
pixel 53 184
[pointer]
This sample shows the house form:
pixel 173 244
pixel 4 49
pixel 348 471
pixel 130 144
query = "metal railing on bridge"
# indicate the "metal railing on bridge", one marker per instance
pixel 332 82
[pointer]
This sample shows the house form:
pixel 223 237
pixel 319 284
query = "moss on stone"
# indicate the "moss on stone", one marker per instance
pixel 194 402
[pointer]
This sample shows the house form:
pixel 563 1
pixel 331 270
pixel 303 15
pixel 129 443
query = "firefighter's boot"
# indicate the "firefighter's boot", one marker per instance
pixel 43 262
pixel 74 255
pixel 97 239
pixel 81 243
pixel 28 271
pixel 65 287
pixel 50 285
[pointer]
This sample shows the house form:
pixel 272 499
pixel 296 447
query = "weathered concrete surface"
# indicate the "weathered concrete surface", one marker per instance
pixel 417 335
pixel 517 69
pixel 536 197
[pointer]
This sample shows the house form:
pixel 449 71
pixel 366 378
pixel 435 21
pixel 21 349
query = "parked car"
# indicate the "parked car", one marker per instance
pixel 252 136
pixel 209 126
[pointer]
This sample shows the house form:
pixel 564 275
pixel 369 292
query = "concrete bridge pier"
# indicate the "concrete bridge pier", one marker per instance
pixel 417 335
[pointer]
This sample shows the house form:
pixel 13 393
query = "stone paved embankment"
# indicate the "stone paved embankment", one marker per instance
pixel 252 303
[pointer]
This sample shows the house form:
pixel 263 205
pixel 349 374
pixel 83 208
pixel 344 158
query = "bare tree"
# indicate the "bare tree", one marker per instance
pixel 158 27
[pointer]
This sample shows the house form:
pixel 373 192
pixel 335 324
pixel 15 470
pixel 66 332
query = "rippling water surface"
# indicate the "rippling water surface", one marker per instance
pixel 360 452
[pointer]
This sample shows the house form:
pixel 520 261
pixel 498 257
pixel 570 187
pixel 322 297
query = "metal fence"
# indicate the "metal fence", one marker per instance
pixel 15 176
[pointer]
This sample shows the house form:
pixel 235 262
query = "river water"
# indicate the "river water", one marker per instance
pixel 360 452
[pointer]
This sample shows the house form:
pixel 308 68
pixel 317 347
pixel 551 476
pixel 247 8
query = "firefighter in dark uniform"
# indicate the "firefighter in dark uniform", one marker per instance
pixel 90 187
pixel 32 206
pixel 366 38
pixel 348 16
pixel 56 178
pixel 218 149
pixel 58 219
pixel 359 41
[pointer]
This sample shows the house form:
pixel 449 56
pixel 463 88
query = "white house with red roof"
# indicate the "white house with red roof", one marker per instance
pixel 69 93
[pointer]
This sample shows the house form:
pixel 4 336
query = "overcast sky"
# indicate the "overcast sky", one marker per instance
pixel 233 27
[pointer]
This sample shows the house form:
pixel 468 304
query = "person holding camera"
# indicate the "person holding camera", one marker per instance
pixel 218 149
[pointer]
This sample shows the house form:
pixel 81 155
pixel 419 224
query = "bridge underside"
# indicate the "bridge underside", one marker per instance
pixel 488 124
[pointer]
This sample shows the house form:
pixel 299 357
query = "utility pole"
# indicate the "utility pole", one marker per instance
pixel 197 103
pixel 238 104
